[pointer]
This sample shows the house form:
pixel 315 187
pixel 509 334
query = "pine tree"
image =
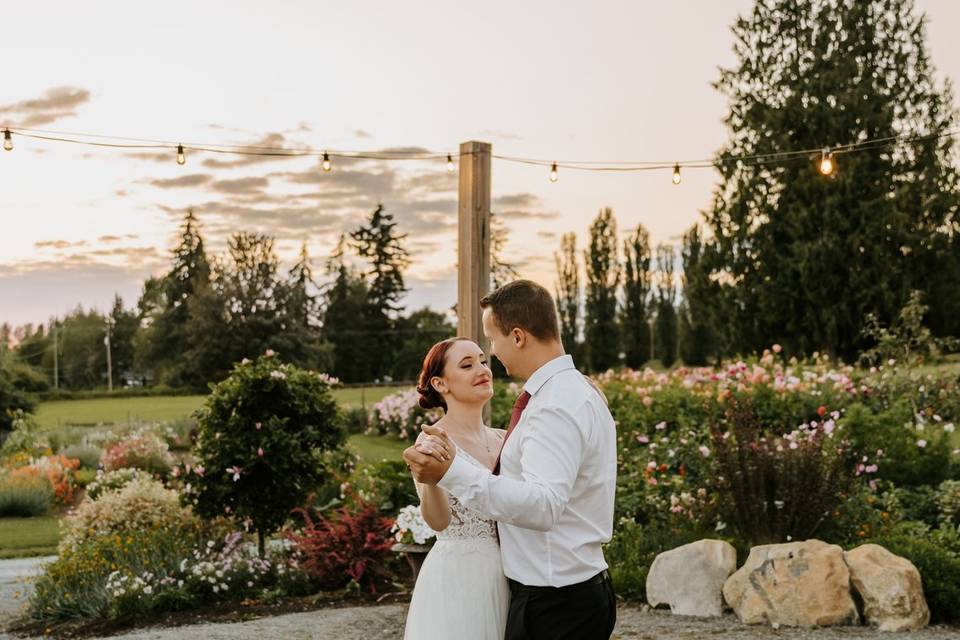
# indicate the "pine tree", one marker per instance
pixel 344 311
pixel 600 311
pixel 697 335
pixel 501 271
pixel 637 286
pixel 665 335
pixel 568 293
pixel 301 339
pixel 802 257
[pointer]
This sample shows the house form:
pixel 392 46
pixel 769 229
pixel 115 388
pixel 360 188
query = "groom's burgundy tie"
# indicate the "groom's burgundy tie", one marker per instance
pixel 518 408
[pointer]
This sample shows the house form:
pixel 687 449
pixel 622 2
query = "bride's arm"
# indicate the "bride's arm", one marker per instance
pixel 434 506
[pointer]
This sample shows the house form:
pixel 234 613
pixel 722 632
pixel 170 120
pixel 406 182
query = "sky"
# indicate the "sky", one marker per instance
pixel 603 80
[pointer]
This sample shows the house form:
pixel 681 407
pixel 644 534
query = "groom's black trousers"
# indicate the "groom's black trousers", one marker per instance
pixel 584 611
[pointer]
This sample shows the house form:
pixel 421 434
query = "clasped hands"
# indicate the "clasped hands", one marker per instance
pixel 431 455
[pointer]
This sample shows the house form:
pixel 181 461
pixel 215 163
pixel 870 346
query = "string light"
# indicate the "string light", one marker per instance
pixel 824 158
pixel 827 164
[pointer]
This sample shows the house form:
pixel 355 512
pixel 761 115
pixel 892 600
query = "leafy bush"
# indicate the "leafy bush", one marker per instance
pixel 110 481
pixel 25 496
pixel 260 444
pixel 139 450
pixel 351 545
pixel 388 485
pixel 773 488
pixel 948 500
pixel 88 455
pixel 399 415
pixel 142 505
pixel 355 420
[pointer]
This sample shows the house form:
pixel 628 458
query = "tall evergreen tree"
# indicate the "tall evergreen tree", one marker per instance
pixel 301 326
pixel 665 334
pixel 637 287
pixel 501 271
pixel 602 343
pixel 802 257
pixel 568 293
pixel 343 317
pixel 697 335
pixel 168 327
pixel 379 243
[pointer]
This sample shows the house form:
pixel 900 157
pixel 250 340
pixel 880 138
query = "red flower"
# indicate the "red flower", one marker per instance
pixel 663 467
pixel 821 411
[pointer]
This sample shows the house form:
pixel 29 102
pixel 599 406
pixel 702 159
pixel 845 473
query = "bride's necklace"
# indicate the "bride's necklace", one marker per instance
pixel 486 440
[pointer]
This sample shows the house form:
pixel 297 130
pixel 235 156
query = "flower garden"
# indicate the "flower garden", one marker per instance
pixel 257 500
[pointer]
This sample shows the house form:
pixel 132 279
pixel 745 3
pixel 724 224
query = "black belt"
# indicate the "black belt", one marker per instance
pixel 600 578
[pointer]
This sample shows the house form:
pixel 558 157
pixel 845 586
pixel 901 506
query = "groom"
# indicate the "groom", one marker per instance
pixel 553 486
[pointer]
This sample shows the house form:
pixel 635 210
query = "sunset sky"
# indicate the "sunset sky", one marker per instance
pixel 600 80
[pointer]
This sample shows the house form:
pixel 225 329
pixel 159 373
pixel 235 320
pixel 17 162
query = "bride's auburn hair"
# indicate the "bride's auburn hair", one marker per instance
pixel 433 365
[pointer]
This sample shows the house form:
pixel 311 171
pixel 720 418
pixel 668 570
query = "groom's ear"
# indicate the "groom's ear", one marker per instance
pixel 519 337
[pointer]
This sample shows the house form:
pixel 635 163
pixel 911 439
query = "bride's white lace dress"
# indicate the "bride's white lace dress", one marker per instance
pixel 461 591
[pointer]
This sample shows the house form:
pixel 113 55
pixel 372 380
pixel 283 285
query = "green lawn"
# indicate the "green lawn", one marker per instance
pixel 373 449
pixel 26 537
pixel 162 408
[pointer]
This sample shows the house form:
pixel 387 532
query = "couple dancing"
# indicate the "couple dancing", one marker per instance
pixel 521 515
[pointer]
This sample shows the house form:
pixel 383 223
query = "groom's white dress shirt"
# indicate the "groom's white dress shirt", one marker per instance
pixel 553 499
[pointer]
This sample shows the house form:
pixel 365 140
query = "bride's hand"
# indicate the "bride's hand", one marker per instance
pixel 434 446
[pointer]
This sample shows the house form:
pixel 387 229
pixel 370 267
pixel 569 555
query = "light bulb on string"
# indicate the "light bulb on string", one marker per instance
pixel 7 140
pixel 181 156
pixel 554 176
pixel 827 165
pixel 449 163
pixel 326 162
pixel 676 173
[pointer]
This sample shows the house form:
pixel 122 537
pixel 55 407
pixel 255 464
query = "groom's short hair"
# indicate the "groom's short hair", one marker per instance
pixel 526 305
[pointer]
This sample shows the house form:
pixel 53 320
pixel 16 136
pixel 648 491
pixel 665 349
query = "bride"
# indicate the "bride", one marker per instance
pixel 461 591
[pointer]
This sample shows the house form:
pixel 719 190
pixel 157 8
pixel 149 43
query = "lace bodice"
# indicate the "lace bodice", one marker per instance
pixel 467 523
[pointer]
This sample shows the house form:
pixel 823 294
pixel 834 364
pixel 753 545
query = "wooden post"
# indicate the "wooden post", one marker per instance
pixel 473 258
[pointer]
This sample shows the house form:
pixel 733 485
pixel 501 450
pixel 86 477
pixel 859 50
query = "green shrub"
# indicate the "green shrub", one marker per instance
pixel 85 477
pixel 88 455
pixel 25 496
pixel 355 419
pixel 939 571
pixel 948 500
pixel 142 505
pixel 260 444
pixel 388 485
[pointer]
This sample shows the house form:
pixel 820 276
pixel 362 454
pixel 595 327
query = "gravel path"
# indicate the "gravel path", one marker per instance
pixel 386 622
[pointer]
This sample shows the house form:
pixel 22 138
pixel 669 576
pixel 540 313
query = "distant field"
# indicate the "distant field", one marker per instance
pixel 161 408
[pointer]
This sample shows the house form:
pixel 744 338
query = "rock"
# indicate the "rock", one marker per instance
pixel 798 584
pixel 890 588
pixel 690 578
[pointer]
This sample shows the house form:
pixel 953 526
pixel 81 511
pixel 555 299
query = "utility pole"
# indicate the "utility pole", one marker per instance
pixel 106 341
pixel 56 357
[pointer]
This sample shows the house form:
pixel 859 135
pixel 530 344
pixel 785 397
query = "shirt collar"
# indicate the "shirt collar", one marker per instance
pixel 547 371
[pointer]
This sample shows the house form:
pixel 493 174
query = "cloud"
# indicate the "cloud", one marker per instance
pixel 59 244
pixel 518 206
pixel 269 142
pixel 241 185
pixel 55 104
pixel 109 239
pixel 360 133
pixel 219 218
pixel 121 193
pixel 180 182
pixel 547 235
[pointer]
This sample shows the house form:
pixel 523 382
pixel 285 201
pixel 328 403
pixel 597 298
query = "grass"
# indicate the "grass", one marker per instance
pixel 161 408
pixel 26 537
pixel 372 449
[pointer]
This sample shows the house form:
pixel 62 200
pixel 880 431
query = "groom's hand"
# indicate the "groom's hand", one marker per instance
pixel 427 469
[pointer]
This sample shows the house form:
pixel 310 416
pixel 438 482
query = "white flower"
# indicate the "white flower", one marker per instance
pixel 278 375
pixel 921 443
pixel 949 428
pixel 704 451
pixel 148 589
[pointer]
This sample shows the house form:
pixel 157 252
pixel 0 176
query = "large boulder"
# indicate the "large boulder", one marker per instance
pixel 889 587
pixel 799 584
pixel 690 578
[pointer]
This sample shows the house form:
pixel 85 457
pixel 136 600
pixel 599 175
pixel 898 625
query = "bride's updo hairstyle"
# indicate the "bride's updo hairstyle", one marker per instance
pixel 433 365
